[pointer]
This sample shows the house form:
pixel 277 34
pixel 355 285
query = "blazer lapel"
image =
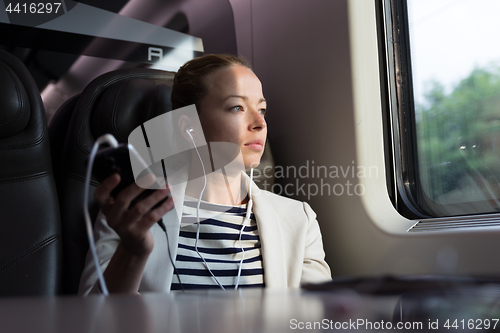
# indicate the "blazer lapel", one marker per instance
pixel 271 238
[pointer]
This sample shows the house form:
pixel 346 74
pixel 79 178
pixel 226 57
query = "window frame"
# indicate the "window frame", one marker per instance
pixel 402 161
pixel 399 111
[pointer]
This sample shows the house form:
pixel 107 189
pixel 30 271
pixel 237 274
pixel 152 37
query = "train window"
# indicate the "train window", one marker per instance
pixel 444 92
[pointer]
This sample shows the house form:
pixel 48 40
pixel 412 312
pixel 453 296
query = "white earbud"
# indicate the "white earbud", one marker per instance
pixel 189 132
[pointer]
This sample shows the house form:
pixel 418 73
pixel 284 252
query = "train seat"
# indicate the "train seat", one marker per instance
pixel 116 102
pixel 30 241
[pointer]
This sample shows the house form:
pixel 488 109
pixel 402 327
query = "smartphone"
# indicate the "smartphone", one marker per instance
pixel 117 160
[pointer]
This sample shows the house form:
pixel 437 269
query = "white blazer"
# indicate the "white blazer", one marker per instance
pixel 291 244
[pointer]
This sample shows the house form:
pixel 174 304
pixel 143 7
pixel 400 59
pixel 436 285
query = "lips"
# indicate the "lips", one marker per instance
pixel 255 144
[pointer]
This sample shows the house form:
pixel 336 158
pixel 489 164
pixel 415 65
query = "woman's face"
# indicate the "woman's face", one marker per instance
pixel 233 111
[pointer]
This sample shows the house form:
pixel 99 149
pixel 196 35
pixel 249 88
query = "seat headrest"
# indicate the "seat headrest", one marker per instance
pixel 125 105
pixel 15 103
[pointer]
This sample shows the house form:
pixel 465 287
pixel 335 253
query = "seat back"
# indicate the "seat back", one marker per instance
pixel 116 102
pixel 30 241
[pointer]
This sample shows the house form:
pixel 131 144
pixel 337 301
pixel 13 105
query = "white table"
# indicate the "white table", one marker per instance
pixel 200 311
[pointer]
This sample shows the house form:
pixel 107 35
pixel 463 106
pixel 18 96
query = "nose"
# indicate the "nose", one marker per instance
pixel 258 122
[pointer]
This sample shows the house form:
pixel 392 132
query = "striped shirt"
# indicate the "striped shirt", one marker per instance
pixel 219 245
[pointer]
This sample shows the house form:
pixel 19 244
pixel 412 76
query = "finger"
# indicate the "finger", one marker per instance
pixel 129 193
pixel 150 181
pixel 156 197
pixel 102 192
pixel 156 214
pixel 143 206
pixel 164 208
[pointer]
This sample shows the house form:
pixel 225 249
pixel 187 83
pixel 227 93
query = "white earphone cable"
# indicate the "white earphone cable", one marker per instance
pixel 245 219
pixel 198 213
pixel 106 138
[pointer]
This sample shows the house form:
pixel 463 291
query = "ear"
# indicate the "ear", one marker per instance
pixel 184 126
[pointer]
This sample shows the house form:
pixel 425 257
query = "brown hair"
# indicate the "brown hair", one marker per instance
pixel 190 81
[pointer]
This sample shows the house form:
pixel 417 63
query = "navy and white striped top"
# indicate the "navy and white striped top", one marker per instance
pixel 218 244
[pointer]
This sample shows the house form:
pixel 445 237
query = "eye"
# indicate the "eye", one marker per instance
pixel 237 108
pixel 263 111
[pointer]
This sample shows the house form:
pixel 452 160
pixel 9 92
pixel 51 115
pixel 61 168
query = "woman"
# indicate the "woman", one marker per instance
pixel 282 241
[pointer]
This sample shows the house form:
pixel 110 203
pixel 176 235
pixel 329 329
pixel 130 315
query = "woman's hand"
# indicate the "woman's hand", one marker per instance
pixel 132 225
pixel 124 271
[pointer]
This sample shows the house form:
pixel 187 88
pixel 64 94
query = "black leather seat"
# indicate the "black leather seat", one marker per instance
pixel 30 240
pixel 116 102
